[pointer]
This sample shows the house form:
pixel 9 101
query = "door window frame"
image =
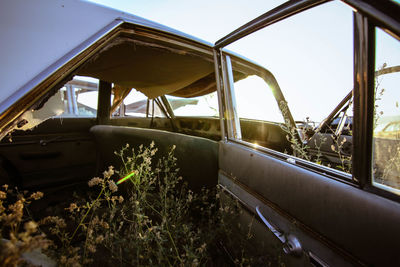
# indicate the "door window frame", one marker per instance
pixel 365 19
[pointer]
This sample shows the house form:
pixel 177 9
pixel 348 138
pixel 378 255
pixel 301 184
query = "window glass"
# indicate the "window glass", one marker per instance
pixel 135 105
pixel 386 156
pixel 254 100
pixel 311 57
pixel 201 106
pixel 79 97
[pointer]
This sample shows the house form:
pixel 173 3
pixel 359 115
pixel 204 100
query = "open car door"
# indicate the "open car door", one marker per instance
pixel 300 209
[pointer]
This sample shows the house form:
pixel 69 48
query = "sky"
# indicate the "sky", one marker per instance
pixel 310 54
pixel 206 19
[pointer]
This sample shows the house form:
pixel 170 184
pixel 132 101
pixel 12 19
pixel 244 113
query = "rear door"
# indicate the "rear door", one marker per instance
pixel 54 147
pixel 300 209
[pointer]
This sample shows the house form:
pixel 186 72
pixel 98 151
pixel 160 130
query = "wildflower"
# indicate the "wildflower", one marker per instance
pixel 195 262
pixel 121 199
pixel 333 147
pixel 63 260
pixel 90 232
pixel 112 186
pixel 72 207
pixel 16 211
pixel 99 239
pixel 153 152
pixel 111 170
pixel 54 219
pixel 5 186
pixel 202 248
pixel 104 224
pixel 190 196
pixel 36 196
pixel 147 160
pixel 3 195
pixel 109 173
pixel 91 248
pixel 30 226
pixel 95 220
pixel 95 181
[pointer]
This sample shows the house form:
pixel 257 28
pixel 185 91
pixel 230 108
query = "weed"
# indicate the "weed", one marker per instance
pixel 15 239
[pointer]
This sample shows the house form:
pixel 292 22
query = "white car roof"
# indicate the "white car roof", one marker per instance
pixel 36 34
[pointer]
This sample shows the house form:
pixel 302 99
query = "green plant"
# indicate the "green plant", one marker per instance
pixel 322 139
pixel 152 218
pixel 345 160
pixel 299 149
pixel 378 96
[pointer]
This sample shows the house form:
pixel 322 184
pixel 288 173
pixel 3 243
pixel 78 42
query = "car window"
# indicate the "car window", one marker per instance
pixel 342 123
pixel 79 97
pixel 311 57
pixel 254 100
pixel 201 106
pixel 386 145
pixel 136 104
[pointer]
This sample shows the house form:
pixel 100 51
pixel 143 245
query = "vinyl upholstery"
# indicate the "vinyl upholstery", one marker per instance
pixel 197 157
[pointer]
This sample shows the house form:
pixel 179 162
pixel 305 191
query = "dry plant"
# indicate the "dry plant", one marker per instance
pixel 19 233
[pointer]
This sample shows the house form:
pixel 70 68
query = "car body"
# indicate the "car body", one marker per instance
pixel 302 211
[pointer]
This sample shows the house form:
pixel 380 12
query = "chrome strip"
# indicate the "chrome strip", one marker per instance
pixel 220 94
pixel 237 133
pixel 230 114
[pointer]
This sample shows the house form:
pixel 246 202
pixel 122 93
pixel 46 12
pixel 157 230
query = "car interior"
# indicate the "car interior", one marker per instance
pixel 136 84
pixel 54 147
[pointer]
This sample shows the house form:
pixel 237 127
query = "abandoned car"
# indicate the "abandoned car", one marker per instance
pixel 325 192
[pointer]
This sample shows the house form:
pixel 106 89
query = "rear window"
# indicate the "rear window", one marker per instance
pixel 201 106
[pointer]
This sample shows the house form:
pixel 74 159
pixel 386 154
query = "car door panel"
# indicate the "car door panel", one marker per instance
pixel 57 152
pixel 328 214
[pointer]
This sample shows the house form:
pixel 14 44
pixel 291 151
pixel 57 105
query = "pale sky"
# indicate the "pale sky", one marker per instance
pixel 208 20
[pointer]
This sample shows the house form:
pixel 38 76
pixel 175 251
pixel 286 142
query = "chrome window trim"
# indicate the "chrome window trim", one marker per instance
pixel 230 114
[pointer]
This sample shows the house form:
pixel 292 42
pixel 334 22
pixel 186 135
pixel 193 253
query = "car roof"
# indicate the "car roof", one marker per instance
pixel 36 34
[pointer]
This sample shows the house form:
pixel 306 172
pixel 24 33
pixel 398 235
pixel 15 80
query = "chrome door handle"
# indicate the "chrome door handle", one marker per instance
pixel 291 245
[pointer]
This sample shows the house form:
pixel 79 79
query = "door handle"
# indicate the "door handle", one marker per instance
pixel 291 245
pixel 45 142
